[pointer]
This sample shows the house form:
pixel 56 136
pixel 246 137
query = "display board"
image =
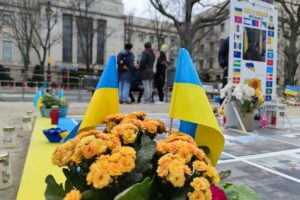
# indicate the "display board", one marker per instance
pixel 253 44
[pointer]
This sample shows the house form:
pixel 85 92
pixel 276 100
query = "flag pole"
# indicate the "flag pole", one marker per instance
pixel 171 125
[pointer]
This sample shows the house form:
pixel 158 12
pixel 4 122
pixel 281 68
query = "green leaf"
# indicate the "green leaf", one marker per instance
pixel 180 194
pixel 54 191
pixel 87 195
pixel 76 179
pixel 68 186
pixel 139 191
pixel 145 154
pixel 224 174
pixel 236 192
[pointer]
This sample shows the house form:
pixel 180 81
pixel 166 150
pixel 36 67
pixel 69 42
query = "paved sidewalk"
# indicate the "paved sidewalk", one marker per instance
pixel 268 160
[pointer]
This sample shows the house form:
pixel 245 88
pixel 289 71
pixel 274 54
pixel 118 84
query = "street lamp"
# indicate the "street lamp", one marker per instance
pixel 49 13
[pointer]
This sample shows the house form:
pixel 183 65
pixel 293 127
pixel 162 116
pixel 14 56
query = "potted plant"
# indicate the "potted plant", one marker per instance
pixel 126 161
pixel 51 100
pixel 248 97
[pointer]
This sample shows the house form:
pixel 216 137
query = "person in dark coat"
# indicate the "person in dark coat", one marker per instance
pixel 223 59
pixel 136 85
pixel 159 76
pixel 125 68
pixel 146 71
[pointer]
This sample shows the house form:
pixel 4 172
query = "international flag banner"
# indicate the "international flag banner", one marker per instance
pixel 250 66
pixel 270 54
pixel 236 80
pixel 263 24
pixel 270 69
pixel 271 33
pixel 238 11
pixel 237 69
pixel 238 19
pixel 237 54
pixel 268 98
pixel 237 45
pixel 269 77
pixel 270 62
pixel 269 91
pixel 271 26
pixel 247 21
pixel 237 36
pixel 255 23
pixel 237 28
pixel 237 63
pixel 190 104
pixel 236 73
pixel 269 84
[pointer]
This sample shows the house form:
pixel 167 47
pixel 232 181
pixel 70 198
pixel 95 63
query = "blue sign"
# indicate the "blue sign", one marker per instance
pixel 237 54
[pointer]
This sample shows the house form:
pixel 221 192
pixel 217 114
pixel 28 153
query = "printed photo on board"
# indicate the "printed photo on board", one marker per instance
pixel 254 44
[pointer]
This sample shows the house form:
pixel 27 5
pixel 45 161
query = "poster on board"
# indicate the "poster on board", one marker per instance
pixel 253 44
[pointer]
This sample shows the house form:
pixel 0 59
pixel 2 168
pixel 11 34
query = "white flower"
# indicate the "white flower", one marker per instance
pixel 224 91
pixel 239 96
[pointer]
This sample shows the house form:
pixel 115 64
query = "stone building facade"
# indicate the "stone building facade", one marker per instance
pixel 107 21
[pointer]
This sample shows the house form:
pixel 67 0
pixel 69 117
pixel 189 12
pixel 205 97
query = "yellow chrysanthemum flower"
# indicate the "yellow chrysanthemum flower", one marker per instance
pixel 196 195
pixel 154 126
pixel 95 147
pixel 114 169
pixel 62 154
pixel 208 194
pixel 211 171
pixel 117 118
pixel 127 164
pixel 138 123
pixel 73 195
pixel 137 115
pixel 200 166
pixel 98 176
pixel 200 183
pixel 127 152
pixel 113 142
pixel 93 132
pixel 216 179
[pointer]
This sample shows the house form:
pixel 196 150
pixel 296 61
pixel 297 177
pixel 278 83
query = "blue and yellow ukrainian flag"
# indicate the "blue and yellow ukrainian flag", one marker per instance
pixel 105 100
pixel 39 94
pixel 61 95
pixel 291 90
pixel 190 104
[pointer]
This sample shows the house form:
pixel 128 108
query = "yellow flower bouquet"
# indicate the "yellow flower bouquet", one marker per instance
pixel 127 159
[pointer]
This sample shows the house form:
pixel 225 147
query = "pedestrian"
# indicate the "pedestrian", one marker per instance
pixel 223 59
pixel 136 85
pixel 125 68
pixel 146 71
pixel 159 76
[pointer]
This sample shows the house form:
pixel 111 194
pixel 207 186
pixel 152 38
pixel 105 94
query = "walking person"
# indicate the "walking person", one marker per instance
pixel 159 76
pixel 146 71
pixel 125 68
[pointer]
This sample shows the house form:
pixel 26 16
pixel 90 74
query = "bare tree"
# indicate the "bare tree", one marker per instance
pixel 85 31
pixel 181 13
pixel 23 16
pixel 42 41
pixel 290 25
pixel 129 26
pixel 160 24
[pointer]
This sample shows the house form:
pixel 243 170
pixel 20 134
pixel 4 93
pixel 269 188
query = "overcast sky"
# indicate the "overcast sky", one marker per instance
pixel 140 6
